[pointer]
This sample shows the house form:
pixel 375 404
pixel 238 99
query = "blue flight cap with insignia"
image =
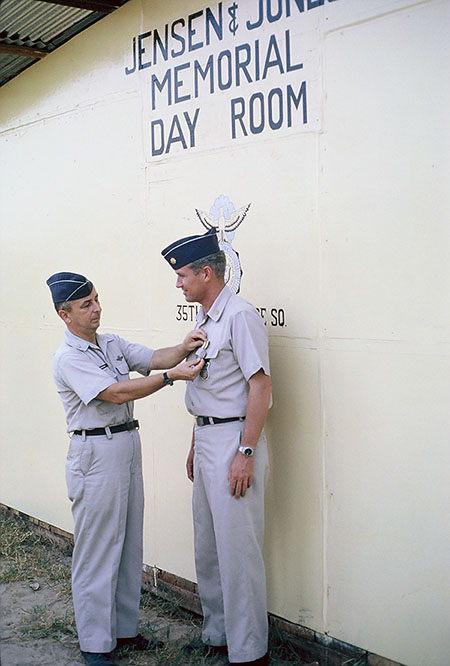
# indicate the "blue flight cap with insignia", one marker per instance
pixel 186 250
pixel 68 287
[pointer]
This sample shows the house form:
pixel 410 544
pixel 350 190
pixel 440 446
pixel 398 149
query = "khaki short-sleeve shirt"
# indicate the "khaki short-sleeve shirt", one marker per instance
pixel 237 349
pixel 82 370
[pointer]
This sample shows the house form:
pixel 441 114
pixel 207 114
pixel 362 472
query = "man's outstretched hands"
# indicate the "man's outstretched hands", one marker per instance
pixel 193 340
pixel 187 370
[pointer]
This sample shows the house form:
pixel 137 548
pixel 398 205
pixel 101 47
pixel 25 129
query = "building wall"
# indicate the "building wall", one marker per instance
pixel 340 144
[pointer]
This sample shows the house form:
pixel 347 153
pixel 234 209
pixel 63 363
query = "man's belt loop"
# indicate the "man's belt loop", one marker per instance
pixel 83 435
pixel 108 432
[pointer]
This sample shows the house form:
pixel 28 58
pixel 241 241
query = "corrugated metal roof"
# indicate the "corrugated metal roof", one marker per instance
pixel 30 29
pixel 37 21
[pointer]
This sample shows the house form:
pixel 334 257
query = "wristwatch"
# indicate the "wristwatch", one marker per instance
pixel 167 381
pixel 246 450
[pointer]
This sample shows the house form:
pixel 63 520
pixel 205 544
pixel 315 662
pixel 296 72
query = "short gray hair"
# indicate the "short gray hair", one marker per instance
pixel 65 305
pixel 216 261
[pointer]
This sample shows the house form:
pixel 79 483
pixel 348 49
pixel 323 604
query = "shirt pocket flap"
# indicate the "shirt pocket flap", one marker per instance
pixel 211 352
pixel 122 367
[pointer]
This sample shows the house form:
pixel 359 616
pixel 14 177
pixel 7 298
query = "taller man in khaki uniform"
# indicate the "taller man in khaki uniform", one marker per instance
pixel 104 468
pixel 227 461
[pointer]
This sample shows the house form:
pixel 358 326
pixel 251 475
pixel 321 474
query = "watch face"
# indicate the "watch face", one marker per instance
pixel 248 452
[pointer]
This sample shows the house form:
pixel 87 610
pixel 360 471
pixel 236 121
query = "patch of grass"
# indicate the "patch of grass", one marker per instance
pixel 168 607
pixel 27 555
pixel 356 661
pixel 15 536
pixel 282 651
pixel 280 648
pixel 40 622
pixel 174 655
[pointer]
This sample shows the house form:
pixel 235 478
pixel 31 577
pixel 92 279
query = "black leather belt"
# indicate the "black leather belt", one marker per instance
pixel 212 420
pixel 129 425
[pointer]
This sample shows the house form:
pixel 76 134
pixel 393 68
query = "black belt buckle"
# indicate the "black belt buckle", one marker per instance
pixel 132 425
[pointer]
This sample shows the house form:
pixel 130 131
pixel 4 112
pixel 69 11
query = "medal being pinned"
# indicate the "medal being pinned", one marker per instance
pixel 202 352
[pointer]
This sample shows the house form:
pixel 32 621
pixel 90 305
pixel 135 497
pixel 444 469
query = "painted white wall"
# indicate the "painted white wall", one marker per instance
pixel 347 234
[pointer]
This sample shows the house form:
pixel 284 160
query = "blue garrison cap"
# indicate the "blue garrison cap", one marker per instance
pixel 189 249
pixel 68 287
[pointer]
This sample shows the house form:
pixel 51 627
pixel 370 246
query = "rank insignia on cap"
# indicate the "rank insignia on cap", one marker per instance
pixel 191 248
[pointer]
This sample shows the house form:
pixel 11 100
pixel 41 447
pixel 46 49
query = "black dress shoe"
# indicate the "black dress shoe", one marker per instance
pixel 139 643
pixel 204 650
pixel 262 661
pixel 98 659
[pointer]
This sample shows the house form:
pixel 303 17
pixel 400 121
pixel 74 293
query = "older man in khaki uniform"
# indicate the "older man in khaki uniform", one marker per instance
pixel 227 461
pixel 104 468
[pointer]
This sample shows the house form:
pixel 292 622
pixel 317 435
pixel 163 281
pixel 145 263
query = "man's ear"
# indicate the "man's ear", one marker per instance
pixel 65 316
pixel 207 273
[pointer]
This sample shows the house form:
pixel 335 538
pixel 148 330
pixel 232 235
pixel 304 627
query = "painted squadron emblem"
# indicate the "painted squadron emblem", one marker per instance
pixel 225 219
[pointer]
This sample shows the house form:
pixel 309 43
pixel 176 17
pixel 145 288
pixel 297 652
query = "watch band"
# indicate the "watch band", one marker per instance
pixel 167 381
pixel 246 450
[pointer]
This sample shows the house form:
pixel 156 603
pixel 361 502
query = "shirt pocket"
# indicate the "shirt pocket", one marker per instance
pixel 105 408
pixel 210 362
pixel 122 370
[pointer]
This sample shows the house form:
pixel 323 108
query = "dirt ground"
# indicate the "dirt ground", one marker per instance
pixel 27 615
pixel 37 626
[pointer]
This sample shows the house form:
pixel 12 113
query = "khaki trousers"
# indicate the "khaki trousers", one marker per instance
pixel 104 481
pixel 229 536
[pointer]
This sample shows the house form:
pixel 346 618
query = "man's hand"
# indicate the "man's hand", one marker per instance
pixel 193 340
pixel 190 464
pixel 168 357
pixel 188 370
pixel 141 387
pixel 240 476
